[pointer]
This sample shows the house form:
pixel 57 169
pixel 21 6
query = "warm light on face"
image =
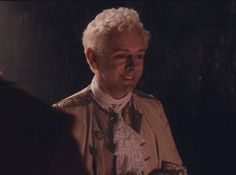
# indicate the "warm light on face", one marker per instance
pixel 121 66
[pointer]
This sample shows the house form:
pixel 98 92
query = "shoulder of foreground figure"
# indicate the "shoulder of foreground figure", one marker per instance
pixel 80 98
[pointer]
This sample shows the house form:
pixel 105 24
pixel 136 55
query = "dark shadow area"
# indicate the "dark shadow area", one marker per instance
pixel 35 138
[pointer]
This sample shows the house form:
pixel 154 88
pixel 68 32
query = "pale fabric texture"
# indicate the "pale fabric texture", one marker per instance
pixel 106 101
pixel 128 143
pixel 159 147
pixel 128 151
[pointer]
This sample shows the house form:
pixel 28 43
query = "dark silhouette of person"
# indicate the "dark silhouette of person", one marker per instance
pixel 35 139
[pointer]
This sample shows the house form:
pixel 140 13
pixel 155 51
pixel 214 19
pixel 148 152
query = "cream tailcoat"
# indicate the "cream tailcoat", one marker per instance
pixel 154 129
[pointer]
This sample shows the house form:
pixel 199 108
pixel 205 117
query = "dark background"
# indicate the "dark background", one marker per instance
pixel 190 65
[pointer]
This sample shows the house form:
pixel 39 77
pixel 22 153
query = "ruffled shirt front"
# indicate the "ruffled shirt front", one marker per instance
pixel 128 143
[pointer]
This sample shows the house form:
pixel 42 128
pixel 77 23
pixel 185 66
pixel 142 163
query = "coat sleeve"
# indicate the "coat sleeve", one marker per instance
pixel 171 160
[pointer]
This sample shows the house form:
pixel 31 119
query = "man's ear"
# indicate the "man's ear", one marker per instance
pixel 91 58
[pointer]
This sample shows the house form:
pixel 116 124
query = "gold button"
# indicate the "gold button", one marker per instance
pixel 92 150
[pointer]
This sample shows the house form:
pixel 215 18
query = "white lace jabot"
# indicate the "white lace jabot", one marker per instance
pixel 128 151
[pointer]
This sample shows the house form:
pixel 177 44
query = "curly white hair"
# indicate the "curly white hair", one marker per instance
pixel 95 34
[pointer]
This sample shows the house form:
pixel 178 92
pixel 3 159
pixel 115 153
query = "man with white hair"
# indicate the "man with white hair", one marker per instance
pixel 119 129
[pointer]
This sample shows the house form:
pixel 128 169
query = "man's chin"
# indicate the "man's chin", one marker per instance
pixel 129 88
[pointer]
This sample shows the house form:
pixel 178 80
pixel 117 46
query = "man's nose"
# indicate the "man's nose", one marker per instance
pixel 130 63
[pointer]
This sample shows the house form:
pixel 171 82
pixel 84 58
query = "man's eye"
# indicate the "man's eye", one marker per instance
pixel 140 56
pixel 121 56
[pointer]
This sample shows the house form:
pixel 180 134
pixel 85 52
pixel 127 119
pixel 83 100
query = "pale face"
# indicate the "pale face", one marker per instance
pixel 120 68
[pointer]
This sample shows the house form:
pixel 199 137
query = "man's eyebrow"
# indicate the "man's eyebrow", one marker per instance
pixel 127 50
pixel 142 50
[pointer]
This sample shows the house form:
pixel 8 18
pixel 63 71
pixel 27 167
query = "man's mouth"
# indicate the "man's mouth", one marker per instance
pixel 126 77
